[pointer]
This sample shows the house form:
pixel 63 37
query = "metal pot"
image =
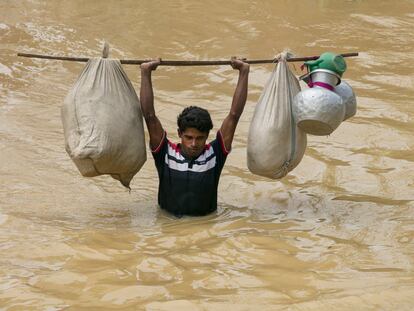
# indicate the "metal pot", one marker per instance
pixel 348 98
pixel 325 76
pixel 318 111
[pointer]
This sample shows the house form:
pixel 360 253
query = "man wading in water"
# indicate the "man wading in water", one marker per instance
pixel 189 172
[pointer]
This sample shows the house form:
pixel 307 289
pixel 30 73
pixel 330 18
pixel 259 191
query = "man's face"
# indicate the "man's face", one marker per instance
pixel 192 142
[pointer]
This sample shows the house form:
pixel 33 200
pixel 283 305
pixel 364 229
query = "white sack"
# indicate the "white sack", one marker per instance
pixel 275 145
pixel 102 122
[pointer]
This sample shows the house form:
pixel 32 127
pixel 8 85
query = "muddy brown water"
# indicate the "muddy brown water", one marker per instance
pixel 336 234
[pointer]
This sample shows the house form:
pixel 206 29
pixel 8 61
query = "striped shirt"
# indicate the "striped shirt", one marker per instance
pixel 189 186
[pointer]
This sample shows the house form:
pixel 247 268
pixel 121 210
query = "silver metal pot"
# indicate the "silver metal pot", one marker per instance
pixel 348 98
pixel 325 76
pixel 318 111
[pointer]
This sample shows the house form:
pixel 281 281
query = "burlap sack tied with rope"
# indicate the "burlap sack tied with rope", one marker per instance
pixel 102 122
pixel 275 144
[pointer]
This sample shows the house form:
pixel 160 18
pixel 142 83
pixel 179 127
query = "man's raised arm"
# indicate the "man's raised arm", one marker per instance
pixel 155 130
pixel 239 100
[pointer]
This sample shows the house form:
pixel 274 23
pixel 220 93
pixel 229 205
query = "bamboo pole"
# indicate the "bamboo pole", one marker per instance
pixel 180 62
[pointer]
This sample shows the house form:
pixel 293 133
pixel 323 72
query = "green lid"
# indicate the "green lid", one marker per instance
pixel 328 61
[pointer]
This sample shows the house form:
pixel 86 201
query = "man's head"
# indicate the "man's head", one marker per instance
pixel 194 125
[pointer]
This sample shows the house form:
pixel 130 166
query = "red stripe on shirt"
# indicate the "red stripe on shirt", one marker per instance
pixel 175 147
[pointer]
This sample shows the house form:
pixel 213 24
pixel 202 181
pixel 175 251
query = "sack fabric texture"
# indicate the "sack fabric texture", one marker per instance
pixel 275 144
pixel 103 124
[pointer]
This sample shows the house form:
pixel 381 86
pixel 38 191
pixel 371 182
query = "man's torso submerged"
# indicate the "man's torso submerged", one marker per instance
pixel 189 186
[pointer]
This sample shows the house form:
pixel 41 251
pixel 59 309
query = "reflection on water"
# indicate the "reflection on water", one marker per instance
pixel 337 233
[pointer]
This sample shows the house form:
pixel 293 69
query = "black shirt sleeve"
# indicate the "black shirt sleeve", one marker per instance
pixel 160 152
pixel 220 151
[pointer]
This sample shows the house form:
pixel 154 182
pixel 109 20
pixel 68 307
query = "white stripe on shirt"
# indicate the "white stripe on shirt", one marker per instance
pixel 183 167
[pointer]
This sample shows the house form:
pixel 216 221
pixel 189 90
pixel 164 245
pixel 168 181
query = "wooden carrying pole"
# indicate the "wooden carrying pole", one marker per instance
pixel 181 62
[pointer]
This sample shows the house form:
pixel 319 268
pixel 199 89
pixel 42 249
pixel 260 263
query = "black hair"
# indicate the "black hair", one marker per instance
pixel 195 117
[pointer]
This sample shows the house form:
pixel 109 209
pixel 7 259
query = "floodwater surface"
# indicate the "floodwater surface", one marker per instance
pixel 336 234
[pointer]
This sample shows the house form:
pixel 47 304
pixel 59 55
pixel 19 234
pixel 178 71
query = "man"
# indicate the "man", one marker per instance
pixel 189 172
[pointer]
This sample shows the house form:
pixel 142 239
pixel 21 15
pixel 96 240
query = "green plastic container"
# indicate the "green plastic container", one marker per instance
pixel 328 61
